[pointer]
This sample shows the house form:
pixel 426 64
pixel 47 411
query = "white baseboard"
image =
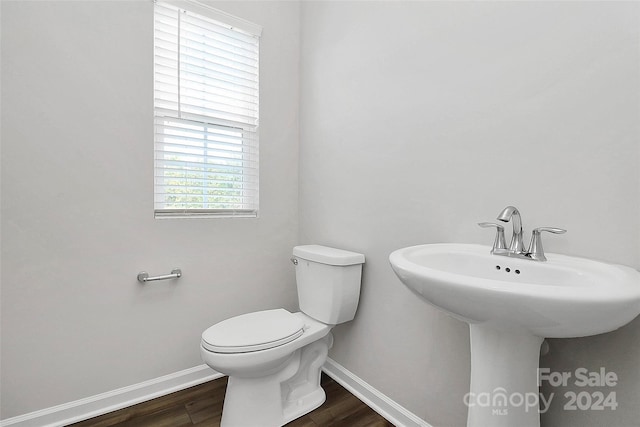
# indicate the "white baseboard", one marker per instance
pixel 83 409
pixel 383 405
pixel 103 403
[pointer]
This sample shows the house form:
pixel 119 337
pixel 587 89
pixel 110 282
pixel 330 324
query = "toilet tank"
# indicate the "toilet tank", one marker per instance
pixel 328 281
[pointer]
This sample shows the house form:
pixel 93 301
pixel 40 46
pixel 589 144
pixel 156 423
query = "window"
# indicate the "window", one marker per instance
pixel 206 112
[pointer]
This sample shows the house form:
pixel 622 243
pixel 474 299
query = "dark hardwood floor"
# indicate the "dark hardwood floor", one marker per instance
pixel 202 406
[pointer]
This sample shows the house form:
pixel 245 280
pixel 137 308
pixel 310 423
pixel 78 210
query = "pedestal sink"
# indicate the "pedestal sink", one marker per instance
pixel 511 305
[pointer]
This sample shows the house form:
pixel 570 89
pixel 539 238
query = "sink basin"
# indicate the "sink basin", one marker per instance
pixel 511 305
pixel 560 298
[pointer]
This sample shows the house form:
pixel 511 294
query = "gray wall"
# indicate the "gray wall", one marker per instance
pixel 77 205
pixel 420 119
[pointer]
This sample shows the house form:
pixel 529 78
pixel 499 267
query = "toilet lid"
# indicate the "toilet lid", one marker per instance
pixel 253 331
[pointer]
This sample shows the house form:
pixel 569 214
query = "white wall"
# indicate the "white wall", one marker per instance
pixel 420 119
pixel 77 205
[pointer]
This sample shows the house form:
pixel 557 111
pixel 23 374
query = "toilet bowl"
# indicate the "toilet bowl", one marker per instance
pixel 274 357
pixel 273 386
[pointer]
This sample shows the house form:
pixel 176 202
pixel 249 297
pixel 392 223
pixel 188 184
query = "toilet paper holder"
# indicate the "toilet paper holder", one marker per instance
pixel 143 276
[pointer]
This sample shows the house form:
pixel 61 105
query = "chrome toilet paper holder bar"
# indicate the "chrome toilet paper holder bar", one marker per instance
pixel 143 276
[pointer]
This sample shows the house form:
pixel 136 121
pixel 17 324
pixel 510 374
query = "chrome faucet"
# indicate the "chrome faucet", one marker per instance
pixel 512 213
pixel 499 244
pixel 516 248
pixel 536 251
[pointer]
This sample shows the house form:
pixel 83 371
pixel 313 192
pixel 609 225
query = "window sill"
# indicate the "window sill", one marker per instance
pixel 204 213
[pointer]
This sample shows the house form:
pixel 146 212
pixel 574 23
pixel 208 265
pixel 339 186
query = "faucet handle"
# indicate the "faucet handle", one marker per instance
pixel 553 230
pixel 536 251
pixel 499 243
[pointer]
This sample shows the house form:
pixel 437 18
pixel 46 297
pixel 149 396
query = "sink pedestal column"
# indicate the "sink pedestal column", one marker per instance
pixel 504 378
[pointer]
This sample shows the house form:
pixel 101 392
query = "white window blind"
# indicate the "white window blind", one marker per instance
pixel 206 113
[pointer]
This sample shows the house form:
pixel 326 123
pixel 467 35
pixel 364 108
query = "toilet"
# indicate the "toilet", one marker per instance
pixel 273 357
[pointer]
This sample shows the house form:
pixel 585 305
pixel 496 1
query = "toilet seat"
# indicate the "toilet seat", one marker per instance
pixel 251 332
